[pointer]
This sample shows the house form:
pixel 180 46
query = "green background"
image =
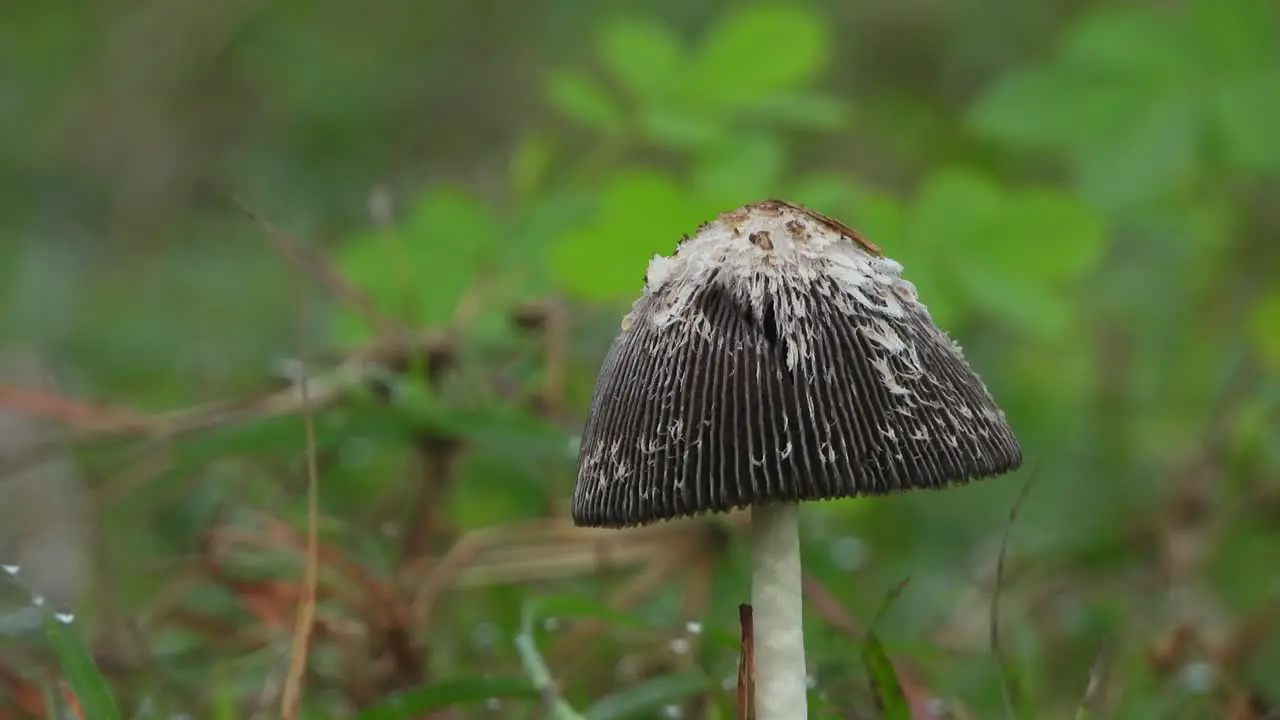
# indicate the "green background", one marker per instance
pixel 1085 193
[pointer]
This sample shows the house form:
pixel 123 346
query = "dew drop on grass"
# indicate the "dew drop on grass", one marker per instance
pixel 680 645
pixel 10 569
pixel 694 627
pixel 37 600
pixel 672 711
pixel 64 618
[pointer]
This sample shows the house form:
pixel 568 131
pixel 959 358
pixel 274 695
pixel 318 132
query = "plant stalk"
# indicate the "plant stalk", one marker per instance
pixel 777 607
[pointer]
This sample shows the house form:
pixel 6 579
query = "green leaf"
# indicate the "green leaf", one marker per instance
pixel 881 218
pixel 1111 67
pixel 525 266
pixel 90 688
pixel 1006 252
pixel 420 270
pixel 1057 107
pixel 953 208
pixel 1235 36
pixel 494 488
pixel 1154 156
pixel 889 696
pixel 578 97
pixel 447 221
pixel 805 111
pixel 648 698
pixel 1246 112
pixel 1138 43
pixel 448 694
pixel 1265 329
pixel 641 214
pixel 681 128
pixel 530 164
pixel 741 170
pixel 643 55
pixel 826 192
pixel 1013 299
pixel 1046 236
pixel 758 51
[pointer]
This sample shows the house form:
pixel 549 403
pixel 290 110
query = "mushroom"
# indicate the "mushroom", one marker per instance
pixel 779 357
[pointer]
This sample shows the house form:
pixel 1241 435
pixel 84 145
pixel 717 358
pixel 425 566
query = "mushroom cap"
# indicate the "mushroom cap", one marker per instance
pixel 778 356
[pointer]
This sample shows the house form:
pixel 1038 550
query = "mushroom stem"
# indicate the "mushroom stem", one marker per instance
pixel 777 612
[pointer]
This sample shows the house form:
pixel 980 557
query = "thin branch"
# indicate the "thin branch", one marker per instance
pixel 315 265
pixel 291 698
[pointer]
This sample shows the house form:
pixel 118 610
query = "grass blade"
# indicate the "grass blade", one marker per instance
pixel 82 675
pixel 1005 672
pixel 885 686
pixel 449 694
pixel 536 667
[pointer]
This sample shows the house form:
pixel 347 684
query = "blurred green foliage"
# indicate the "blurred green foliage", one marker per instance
pixel 1085 194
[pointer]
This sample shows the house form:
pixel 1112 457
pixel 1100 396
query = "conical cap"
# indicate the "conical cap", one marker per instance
pixel 778 356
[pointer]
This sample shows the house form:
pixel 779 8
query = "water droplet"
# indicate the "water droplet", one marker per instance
pixel 64 618
pixel 10 569
pixel 694 627
pixel 848 553
pixel 37 600
pixel 550 624
pixel 680 645
pixel 672 711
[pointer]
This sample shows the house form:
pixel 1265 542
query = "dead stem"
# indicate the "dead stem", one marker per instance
pixel 746 665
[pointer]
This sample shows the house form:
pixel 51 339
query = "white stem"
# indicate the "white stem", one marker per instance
pixel 777 612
